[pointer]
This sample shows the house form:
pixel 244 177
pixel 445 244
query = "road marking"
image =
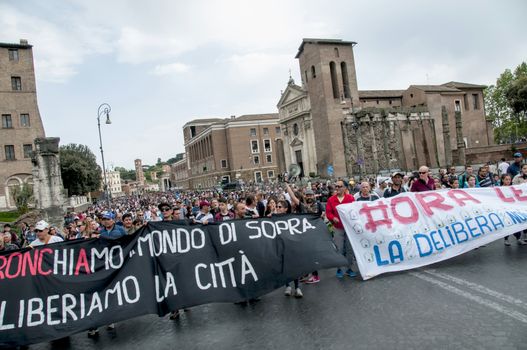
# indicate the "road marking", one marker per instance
pixel 478 288
pixel 475 298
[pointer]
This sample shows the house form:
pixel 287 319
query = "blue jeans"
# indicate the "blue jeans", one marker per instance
pixel 343 245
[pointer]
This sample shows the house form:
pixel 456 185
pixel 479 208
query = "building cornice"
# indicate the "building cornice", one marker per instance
pixel 297 116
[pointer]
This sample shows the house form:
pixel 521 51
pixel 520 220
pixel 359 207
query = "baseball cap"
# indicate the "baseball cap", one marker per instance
pixel 398 173
pixel 41 225
pixel 108 215
pixel 309 192
pixel 517 155
pixel 203 203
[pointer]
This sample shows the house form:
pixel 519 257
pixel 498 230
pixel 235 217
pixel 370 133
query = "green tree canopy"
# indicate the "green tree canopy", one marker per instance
pixel 126 174
pixel 79 169
pixel 516 93
pixel 506 105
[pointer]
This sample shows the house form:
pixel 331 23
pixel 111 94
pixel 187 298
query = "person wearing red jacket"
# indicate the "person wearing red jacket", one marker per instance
pixel 339 235
pixel 425 182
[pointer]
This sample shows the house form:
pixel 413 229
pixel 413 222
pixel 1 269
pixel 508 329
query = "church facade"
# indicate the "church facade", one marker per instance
pixel 333 129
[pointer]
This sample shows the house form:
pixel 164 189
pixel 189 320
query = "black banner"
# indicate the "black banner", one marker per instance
pixel 56 290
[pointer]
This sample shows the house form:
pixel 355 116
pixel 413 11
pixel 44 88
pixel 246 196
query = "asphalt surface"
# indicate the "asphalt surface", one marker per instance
pixel 475 301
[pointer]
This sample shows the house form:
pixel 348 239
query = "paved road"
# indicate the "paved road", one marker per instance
pixel 475 301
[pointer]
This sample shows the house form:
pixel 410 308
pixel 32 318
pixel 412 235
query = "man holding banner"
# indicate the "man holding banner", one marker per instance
pixel 110 230
pixel 417 229
pixel 339 235
pixel 424 182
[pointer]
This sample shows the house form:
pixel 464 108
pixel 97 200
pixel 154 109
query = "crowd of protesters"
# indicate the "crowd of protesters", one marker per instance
pixel 127 214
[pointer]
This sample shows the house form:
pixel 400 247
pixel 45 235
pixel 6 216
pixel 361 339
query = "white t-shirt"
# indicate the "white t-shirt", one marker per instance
pixel 53 239
pixel 503 167
pixel 201 217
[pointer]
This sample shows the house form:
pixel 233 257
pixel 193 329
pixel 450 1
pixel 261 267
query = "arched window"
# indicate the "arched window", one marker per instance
pixel 334 81
pixel 345 80
pixel 313 73
pixel 295 129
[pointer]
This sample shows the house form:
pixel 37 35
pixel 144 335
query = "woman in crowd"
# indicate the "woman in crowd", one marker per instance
pixel 471 182
pixel 91 230
pixel 521 177
pixel 453 183
pixel 270 209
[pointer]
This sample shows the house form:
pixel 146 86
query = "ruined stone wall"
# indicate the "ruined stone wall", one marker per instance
pixel 378 140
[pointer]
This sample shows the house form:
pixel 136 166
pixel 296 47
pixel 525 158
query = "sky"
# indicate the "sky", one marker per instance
pixel 162 63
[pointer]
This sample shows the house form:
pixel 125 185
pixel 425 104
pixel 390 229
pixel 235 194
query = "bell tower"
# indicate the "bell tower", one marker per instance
pixel 328 73
pixel 139 175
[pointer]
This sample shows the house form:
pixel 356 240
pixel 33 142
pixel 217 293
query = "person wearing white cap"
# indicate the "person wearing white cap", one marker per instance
pixel 43 236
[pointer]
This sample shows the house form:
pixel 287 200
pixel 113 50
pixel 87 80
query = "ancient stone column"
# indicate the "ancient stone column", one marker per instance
pixel 446 137
pixel 47 180
pixel 280 156
pixel 459 137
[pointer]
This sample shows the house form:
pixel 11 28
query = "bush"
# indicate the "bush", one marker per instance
pixel 22 195
pixel 8 216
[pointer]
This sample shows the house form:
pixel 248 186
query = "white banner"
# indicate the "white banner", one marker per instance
pixel 417 229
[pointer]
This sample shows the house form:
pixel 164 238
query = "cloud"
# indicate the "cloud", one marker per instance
pixel 256 66
pixel 171 68
pixel 59 49
pixel 136 46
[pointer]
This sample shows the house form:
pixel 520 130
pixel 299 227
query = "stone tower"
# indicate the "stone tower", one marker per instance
pixel 21 123
pixel 328 73
pixel 139 175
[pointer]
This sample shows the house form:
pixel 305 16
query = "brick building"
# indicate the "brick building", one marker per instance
pixel 21 122
pixel 180 173
pixel 314 116
pixel 222 150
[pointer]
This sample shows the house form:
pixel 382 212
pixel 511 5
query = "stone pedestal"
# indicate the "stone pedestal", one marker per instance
pixel 47 180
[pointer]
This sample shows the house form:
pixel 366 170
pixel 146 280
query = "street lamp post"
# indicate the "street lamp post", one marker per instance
pixel 104 109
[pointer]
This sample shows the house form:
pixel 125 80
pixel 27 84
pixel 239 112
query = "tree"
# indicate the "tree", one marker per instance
pixel 517 95
pixel 22 195
pixel 79 169
pixel 126 174
pixel 509 124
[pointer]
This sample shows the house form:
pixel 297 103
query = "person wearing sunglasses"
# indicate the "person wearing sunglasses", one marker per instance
pixel 43 236
pixel 424 182
pixel 339 235
pixel 166 211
